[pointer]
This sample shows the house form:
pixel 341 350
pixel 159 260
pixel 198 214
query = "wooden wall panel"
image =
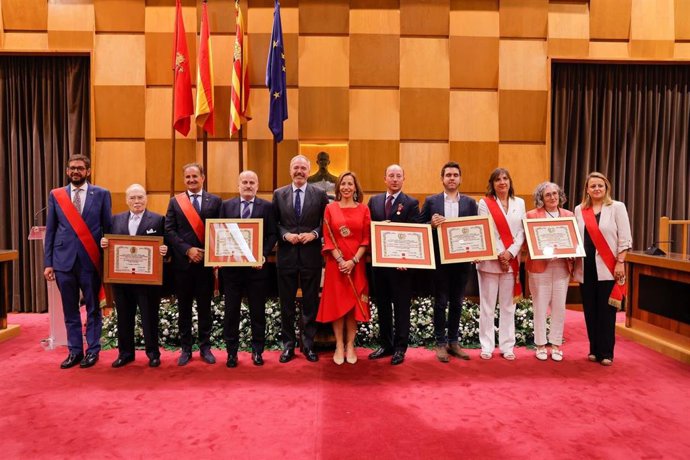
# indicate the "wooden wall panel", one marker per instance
pixel 323 113
pixel 609 19
pixel 420 161
pixel 522 65
pixel 257 128
pixel 474 116
pixel 608 50
pixel 369 159
pixel 523 18
pixel 18 41
pixel 652 29
pixel 528 166
pixel 424 63
pixel 260 16
pixel 221 16
pixel 159 167
pixel 119 15
pixel 119 111
pixel 120 60
pixel 424 114
pixel 260 160
pixel 568 47
pixel 286 150
pixel 222 59
pixel 477 160
pixel 158 202
pixel 258 54
pixel 474 62
pixel 68 17
pixel 375 21
pixel 159 113
pixel 374 60
pixel 124 162
pixel 682 51
pixel 65 40
pixel 159 48
pixel 375 114
pixel 569 20
pixel 522 115
pixel 324 17
pixel 324 61
pixel 425 18
pixel 25 15
pixel 681 18
pixel 474 18
pixel 223 166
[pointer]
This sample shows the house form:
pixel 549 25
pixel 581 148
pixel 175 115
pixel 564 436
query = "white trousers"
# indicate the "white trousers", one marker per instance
pixel 493 287
pixel 549 288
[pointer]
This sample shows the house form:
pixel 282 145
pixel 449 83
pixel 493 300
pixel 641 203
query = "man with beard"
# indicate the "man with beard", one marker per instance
pixel 78 216
pixel 299 211
pixel 185 223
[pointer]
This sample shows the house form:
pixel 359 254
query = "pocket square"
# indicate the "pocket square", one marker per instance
pixel 150 230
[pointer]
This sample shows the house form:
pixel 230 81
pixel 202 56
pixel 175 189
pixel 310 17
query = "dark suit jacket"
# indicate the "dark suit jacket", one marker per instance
pixel 62 246
pixel 179 234
pixel 434 204
pixel 409 208
pixel 262 209
pixel 304 255
pixel 151 224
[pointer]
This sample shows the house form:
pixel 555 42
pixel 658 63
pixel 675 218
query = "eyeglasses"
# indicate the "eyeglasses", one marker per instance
pixel 76 168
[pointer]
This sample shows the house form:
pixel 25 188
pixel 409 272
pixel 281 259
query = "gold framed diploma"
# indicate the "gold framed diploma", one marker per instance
pixel 234 243
pixel 133 260
pixel 553 238
pixel 466 239
pixel 395 244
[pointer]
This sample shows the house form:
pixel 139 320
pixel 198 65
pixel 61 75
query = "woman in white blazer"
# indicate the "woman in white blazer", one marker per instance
pixel 605 227
pixel 499 279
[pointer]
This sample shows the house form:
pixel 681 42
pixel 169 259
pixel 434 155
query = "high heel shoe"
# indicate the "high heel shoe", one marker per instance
pixel 338 357
pixel 351 356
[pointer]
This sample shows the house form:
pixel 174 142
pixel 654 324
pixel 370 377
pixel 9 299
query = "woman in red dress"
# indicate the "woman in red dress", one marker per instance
pixel 345 295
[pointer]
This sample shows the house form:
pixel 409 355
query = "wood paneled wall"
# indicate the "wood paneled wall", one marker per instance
pixel 415 82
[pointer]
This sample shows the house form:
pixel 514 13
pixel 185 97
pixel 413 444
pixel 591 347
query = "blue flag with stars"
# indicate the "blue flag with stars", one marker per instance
pixel 275 78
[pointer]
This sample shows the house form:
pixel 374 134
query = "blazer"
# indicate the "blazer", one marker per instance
pixel 405 208
pixel 261 209
pixel 516 211
pixel 539 266
pixel 151 224
pixel 299 255
pixel 179 234
pixel 615 226
pixel 62 246
pixel 435 204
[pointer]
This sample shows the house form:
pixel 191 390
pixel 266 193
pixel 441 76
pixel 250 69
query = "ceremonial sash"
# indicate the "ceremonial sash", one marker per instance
pixel 82 231
pixel 192 216
pixel 342 231
pixel 507 239
pixel 604 250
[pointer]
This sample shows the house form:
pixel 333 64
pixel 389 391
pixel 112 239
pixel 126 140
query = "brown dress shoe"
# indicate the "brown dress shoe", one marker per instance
pixel 455 350
pixel 442 353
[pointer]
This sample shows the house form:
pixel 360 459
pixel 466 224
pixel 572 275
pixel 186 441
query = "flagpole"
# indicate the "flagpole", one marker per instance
pixel 172 116
pixel 275 163
pixel 204 148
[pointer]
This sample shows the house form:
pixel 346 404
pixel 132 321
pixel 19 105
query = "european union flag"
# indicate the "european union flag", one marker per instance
pixel 275 78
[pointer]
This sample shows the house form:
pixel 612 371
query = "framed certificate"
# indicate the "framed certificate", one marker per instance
pixel 553 238
pixel 234 243
pixel 133 260
pixel 395 244
pixel 466 239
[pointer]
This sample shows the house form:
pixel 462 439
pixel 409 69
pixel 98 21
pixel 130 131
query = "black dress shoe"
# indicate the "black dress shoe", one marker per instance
pixel 380 353
pixel 257 359
pixel 122 361
pixel 287 355
pixel 185 358
pixel 398 358
pixel 89 360
pixel 310 355
pixel 154 362
pixel 72 360
pixel 207 356
pixel 232 360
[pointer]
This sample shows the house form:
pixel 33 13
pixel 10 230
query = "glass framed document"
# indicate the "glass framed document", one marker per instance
pixel 133 260
pixel 553 238
pixel 466 239
pixel 234 243
pixel 395 244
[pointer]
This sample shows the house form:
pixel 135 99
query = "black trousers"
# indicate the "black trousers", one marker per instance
pixel 148 299
pixel 449 291
pixel 600 317
pixel 309 279
pixel 236 283
pixel 393 294
pixel 196 283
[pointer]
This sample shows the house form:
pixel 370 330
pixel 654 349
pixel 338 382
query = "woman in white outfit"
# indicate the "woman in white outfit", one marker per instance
pixel 499 279
pixel 548 279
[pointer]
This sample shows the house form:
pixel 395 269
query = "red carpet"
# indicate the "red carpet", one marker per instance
pixel 422 409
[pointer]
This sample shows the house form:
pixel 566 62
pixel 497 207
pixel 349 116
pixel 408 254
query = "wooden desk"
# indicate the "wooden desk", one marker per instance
pixel 7 256
pixel 658 309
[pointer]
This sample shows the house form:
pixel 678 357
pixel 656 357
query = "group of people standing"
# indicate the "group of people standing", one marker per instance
pixel 309 233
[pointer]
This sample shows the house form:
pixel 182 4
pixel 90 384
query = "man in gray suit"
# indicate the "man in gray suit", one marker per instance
pixel 299 209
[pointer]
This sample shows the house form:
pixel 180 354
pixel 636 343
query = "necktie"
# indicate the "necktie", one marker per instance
pixel 246 212
pixel 389 206
pixel 298 204
pixel 195 202
pixel 76 200
pixel 134 224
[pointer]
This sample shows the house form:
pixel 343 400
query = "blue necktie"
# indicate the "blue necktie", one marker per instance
pixel 246 213
pixel 298 204
pixel 195 202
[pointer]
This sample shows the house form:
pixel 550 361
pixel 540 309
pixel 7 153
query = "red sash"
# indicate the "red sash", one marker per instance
pixel 82 231
pixel 604 250
pixel 192 216
pixel 339 226
pixel 507 239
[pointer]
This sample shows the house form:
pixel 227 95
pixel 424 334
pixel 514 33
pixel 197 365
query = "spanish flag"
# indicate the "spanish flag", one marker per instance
pixel 239 92
pixel 204 76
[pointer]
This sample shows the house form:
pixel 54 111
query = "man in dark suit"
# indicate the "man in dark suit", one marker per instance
pixel 393 286
pixel 252 281
pixel 449 279
pixel 78 216
pixel 138 221
pixel 184 234
pixel 299 209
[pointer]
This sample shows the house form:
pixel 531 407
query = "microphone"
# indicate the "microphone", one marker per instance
pixel 38 213
pixel 653 249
